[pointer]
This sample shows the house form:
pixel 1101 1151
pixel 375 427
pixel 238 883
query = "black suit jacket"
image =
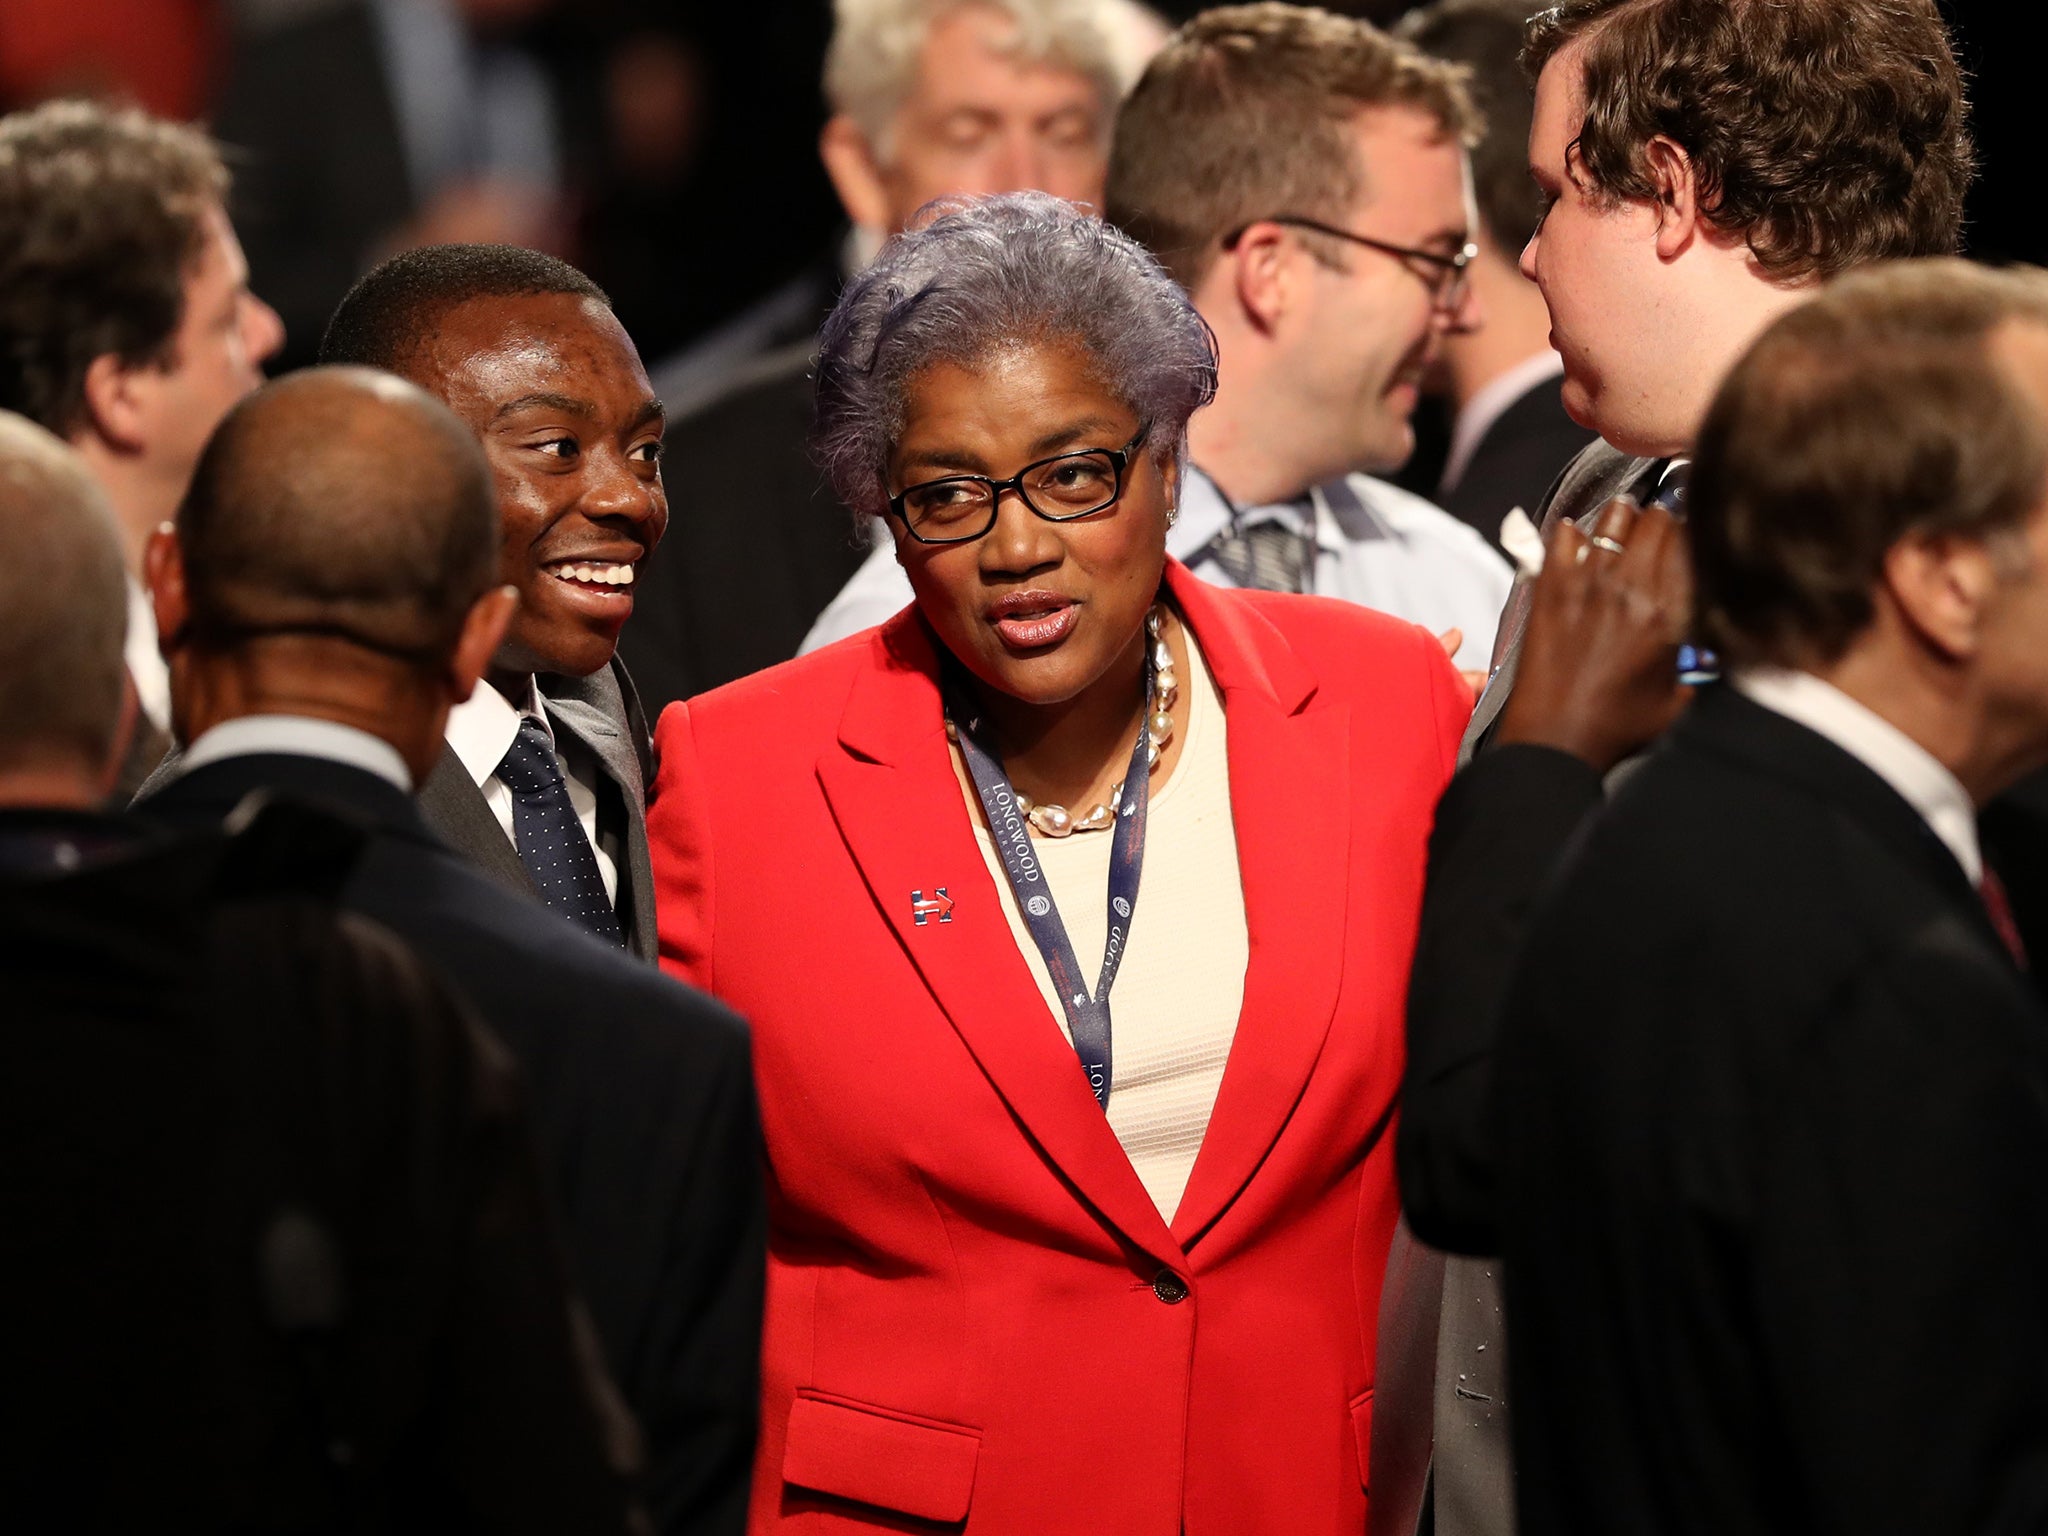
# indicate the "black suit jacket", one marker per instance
pixel 1772 1107
pixel 601 713
pixel 320 173
pixel 756 546
pixel 643 1105
pixel 266 1190
pixel 1516 460
pixel 1500 830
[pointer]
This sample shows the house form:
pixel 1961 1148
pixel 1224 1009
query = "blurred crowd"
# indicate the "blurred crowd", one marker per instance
pixel 609 612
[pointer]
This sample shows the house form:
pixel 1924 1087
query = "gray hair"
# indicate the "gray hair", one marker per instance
pixel 972 275
pixel 871 64
pixel 63 606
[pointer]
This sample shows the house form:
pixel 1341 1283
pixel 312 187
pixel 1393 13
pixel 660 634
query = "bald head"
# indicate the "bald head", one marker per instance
pixel 63 607
pixel 340 502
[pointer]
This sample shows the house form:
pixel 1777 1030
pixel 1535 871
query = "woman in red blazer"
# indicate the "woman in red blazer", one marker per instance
pixel 1039 1266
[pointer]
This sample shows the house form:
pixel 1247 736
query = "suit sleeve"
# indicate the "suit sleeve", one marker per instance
pixel 679 844
pixel 1501 830
pixel 706 1338
pixel 1902 1254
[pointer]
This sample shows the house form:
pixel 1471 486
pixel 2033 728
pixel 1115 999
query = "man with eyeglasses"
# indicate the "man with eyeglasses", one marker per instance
pixel 1304 177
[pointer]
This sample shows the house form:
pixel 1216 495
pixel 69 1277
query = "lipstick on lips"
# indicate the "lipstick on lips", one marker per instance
pixel 1029 621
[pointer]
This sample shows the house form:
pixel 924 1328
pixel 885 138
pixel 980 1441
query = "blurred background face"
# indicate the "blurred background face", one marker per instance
pixel 977 121
pixel 1034 609
pixel 1372 325
pixel 217 353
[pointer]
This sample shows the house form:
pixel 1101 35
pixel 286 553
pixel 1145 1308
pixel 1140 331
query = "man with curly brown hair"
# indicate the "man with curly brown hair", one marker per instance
pixel 1705 166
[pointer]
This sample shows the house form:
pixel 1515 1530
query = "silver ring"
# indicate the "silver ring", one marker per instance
pixel 1601 541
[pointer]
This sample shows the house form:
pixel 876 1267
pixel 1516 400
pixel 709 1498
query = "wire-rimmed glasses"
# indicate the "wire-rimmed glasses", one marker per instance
pixel 1447 276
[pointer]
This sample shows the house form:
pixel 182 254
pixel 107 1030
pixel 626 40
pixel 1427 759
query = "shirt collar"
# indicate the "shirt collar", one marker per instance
pixel 1205 513
pixel 1918 776
pixel 482 728
pixel 145 662
pixel 299 736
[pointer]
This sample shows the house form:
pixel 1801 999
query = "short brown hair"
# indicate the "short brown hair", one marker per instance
pixel 101 217
pixel 1242 115
pixel 1874 412
pixel 1826 132
pixel 1486 37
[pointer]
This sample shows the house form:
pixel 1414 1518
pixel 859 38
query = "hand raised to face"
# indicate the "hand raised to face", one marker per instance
pixel 1598 676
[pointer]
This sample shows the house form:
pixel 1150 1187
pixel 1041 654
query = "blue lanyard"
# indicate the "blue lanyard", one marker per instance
pixel 1087 1014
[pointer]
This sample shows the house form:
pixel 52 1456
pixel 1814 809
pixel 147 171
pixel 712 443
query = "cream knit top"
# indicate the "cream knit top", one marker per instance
pixel 1174 1008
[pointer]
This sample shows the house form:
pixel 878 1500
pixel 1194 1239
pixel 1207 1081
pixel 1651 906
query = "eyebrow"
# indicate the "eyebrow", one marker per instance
pixel 651 410
pixel 568 405
pixel 966 461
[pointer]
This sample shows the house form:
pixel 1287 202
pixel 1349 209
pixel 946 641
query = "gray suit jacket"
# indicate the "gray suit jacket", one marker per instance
pixel 1442 1353
pixel 602 712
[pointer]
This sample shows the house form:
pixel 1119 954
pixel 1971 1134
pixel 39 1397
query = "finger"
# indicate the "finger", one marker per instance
pixel 1616 519
pixel 1566 549
pixel 1452 640
pixel 1663 564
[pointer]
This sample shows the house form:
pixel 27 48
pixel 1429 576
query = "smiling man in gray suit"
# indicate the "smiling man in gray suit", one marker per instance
pixel 1664 133
pixel 543 780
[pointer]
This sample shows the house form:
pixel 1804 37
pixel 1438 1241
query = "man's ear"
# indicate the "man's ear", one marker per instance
pixel 1259 274
pixel 117 402
pixel 856 173
pixel 163 572
pixel 1678 206
pixel 483 631
pixel 1941 585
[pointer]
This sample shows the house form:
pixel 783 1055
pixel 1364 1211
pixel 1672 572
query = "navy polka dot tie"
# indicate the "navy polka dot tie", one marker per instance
pixel 548 836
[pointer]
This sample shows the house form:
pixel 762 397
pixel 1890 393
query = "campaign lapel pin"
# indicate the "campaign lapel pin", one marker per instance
pixel 939 905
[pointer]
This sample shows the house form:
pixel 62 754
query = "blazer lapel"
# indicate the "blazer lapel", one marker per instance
pixel 595 710
pixel 1290 762
pixel 454 807
pixel 892 755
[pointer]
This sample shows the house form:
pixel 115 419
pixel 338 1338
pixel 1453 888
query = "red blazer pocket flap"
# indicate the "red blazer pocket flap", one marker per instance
pixel 914 1466
pixel 1361 1427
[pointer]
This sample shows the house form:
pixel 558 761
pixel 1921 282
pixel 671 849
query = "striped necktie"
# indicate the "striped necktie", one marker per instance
pixel 1269 555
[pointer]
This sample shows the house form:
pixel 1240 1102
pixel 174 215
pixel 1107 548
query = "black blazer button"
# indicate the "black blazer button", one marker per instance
pixel 1169 1287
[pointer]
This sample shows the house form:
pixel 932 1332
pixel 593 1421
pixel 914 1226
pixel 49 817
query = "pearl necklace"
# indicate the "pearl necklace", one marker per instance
pixel 1057 820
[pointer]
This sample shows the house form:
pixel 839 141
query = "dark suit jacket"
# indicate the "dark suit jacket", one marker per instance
pixel 267 1190
pixel 1500 829
pixel 644 1110
pixel 602 713
pixel 1771 1136
pixel 320 177
pixel 1516 460
pixel 756 546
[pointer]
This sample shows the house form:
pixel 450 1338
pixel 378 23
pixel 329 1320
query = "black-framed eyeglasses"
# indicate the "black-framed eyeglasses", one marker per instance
pixel 961 508
pixel 1447 276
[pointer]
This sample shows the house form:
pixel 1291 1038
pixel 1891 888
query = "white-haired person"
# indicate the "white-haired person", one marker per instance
pixel 1072 909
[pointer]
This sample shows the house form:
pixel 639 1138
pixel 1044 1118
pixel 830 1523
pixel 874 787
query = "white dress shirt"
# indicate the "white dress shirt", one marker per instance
pixel 145 662
pixel 1918 776
pixel 481 731
pixel 298 736
pixel 1376 545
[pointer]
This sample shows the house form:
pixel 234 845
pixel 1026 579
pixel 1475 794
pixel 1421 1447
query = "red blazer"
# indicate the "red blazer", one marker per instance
pixel 975 1313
